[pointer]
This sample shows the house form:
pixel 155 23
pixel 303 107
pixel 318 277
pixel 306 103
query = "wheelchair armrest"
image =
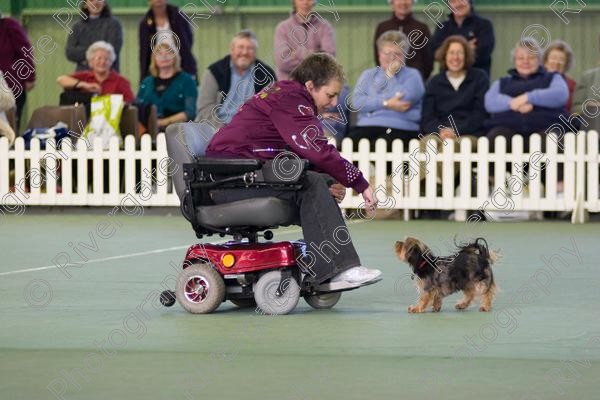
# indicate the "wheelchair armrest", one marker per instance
pixel 288 171
pixel 227 166
pixel 208 173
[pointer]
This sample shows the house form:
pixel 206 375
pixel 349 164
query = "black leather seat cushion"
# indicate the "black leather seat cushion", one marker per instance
pixel 260 212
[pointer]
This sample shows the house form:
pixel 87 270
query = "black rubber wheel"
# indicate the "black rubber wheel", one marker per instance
pixel 244 303
pixel 200 289
pixel 323 301
pixel 167 298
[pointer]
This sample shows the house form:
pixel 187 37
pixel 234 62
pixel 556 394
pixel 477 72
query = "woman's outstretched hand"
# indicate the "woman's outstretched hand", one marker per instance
pixel 370 202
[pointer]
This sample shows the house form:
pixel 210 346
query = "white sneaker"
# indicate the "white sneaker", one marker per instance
pixel 357 275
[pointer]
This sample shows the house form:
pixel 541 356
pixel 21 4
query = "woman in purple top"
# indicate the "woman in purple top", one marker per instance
pixel 284 117
pixel 303 33
pixel 14 44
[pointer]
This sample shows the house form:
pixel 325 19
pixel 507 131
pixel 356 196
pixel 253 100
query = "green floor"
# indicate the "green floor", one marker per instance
pixel 92 333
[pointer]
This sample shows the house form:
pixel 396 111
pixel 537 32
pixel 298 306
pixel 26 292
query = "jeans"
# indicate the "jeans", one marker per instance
pixel 328 243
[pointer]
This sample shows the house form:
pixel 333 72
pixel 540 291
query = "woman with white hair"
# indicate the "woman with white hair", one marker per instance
pixel 528 100
pixel 100 78
pixel 389 98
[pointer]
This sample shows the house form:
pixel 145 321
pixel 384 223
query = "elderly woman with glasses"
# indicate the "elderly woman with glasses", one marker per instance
pixel 529 100
pixel 100 78
pixel 388 98
pixel 558 58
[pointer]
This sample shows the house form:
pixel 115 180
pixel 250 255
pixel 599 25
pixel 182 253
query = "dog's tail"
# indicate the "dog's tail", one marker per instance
pixel 484 251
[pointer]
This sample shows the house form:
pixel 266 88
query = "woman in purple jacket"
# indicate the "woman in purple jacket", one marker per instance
pixel 284 117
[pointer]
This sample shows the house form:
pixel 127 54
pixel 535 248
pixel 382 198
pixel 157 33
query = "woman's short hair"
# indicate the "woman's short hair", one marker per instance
pixel 395 38
pixel 173 51
pixel 320 68
pixel 101 45
pixel 529 44
pixel 440 54
pixel 563 46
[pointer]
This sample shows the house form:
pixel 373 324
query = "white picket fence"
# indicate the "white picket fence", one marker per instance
pixel 49 177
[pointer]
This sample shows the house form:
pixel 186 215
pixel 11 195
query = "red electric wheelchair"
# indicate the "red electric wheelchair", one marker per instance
pixel 269 276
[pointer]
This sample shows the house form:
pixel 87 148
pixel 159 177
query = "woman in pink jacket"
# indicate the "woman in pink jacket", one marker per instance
pixel 284 118
pixel 303 33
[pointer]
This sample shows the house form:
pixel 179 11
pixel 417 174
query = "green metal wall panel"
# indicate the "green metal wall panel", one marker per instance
pixel 354 32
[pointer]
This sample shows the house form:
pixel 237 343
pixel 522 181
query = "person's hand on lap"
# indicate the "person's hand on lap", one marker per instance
pixel 338 191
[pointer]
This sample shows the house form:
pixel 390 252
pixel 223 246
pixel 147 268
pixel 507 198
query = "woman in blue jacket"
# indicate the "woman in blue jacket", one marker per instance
pixel 388 98
pixel 529 100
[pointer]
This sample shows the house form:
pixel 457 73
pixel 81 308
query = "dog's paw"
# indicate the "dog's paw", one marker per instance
pixel 461 306
pixel 412 309
pixel 437 309
pixel 485 309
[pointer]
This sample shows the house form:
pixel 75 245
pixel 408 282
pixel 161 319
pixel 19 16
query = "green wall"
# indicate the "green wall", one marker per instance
pixel 354 31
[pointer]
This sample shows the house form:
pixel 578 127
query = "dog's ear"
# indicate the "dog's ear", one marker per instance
pixel 398 247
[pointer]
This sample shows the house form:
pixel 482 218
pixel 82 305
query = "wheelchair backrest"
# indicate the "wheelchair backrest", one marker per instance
pixel 185 142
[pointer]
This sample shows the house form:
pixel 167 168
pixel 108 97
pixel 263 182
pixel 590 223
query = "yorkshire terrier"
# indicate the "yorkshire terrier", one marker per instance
pixel 469 270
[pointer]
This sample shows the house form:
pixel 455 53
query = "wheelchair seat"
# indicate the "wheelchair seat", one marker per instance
pixel 197 178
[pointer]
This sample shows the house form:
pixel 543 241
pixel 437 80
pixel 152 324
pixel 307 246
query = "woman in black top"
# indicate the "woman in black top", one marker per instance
pixel 454 98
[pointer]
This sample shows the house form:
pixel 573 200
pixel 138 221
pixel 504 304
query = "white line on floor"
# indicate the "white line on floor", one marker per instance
pixel 142 253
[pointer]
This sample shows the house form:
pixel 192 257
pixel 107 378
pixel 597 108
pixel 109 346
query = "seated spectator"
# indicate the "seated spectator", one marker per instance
pixel 528 100
pixel 458 92
pixel 402 20
pixel 558 58
pixel 170 89
pixel 336 120
pixel 100 78
pixel 232 80
pixel 165 23
pixel 478 31
pixel 315 35
pixel 98 24
pixel 388 98
pixel 586 100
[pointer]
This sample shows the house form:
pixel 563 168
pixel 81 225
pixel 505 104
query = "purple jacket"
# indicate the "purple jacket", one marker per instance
pixel 283 117
pixel 12 40
pixel 295 39
pixel 181 27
